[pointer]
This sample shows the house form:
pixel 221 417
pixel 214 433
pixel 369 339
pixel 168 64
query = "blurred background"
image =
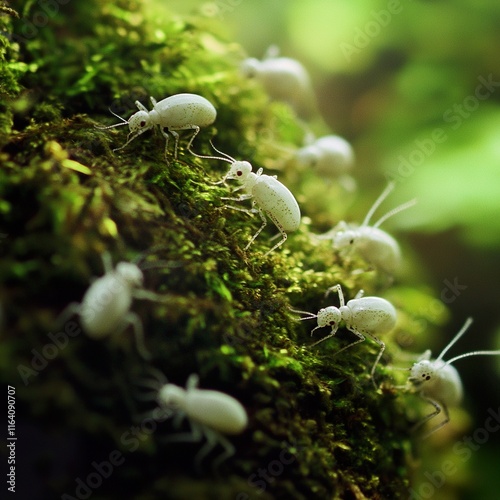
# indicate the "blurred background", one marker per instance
pixel 415 86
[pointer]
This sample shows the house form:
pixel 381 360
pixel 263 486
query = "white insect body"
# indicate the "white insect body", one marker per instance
pixel 217 410
pixel 177 112
pixel 438 382
pixel 267 193
pixel 283 78
pixel 105 308
pixel 362 316
pixel 211 414
pixel 331 156
pixel 372 243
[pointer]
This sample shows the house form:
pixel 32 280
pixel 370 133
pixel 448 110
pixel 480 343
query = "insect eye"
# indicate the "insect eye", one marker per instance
pixel 239 173
pixel 142 123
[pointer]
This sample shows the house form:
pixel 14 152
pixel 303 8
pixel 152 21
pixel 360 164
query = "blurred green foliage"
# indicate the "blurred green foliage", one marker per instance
pixel 389 72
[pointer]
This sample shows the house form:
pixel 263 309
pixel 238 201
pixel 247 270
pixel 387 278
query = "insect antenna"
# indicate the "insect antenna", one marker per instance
pixel 395 211
pixel 124 122
pixel 230 158
pixel 464 328
pixel 309 315
pixel 378 202
pixel 225 157
pixel 473 353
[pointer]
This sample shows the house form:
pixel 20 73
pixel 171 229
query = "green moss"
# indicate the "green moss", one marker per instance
pixel 66 198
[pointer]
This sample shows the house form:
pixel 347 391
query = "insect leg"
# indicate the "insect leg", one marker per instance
pixel 164 133
pixel 134 320
pixel 72 309
pixel 264 223
pixel 435 413
pixel 338 289
pixel 212 438
pixel 381 351
pixel 196 130
pixel 141 106
pixel 283 234
pixel 228 452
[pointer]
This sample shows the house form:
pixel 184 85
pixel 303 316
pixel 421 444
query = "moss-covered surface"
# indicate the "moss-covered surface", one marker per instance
pixel 317 429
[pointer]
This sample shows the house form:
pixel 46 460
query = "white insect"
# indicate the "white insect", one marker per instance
pixel 177 112
pixel 438 382
pixel 211 413
pixel 284 79
pixel 362 316
pixel 329 156
pixel 105 308
pixel 267 193
pixel 372 243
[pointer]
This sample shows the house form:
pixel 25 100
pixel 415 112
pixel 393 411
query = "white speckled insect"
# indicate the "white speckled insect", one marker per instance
pixel 211 414
pixel 372 243
pixel 438 382
pixel 267 193
pixel 284 79
pixel 330 156
pixel 105 308
pixel 362 316
pixel 177 112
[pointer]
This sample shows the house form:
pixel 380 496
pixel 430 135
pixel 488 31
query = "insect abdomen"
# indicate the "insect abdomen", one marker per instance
pixel 277 200
pixel 217 410
pixel 185 110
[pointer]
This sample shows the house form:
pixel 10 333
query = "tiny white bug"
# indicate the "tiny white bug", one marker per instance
pixel 372 243
pixel 283 78
pixel 105 308
pixel 267 193
pixel 330 156
pixel 211 413
pixel 177 112
pixel 361 315
pixel 438 382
